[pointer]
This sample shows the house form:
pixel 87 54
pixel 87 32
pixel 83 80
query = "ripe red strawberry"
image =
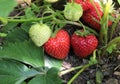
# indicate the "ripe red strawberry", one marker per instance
pixel 83 45
pixel 92 18
pixel 58 46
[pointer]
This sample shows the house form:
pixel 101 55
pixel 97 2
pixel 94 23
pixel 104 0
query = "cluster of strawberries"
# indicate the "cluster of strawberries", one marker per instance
pixel 58 47
pixel 83 46
pixel 92 13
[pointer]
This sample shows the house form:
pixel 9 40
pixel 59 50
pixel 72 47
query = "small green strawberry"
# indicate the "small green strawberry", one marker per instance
pixel 39 33
pixel 73 11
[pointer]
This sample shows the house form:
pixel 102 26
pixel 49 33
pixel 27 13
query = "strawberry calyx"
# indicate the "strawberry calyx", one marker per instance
pixel 82 33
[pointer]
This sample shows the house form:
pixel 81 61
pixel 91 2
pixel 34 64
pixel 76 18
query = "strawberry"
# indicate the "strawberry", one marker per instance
pixel 39 33
pixel 83 45
pixel 73 11
pixel 58 46
pixel 92 18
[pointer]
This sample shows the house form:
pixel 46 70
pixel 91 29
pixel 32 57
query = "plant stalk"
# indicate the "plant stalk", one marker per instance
pixel 104 24
pixel 29 20
pixel 80 71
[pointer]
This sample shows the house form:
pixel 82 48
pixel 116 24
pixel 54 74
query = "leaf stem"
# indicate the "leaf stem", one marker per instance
pixel 77 24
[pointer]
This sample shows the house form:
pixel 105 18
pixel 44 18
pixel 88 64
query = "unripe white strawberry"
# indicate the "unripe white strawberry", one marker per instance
pixel 39 33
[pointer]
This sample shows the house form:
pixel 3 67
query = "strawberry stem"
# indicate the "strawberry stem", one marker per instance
pixel 78 24
pixel 55 32
pixel 29 20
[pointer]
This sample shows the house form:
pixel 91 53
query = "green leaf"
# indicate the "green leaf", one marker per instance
pixel 113 42
pixel 52 62
pixel 89 82
pixel 26 26
pixel 99 77
pixel 111 48
pixel 25 52
pixel 50 77
pixel 13 72
pixel 118 1
pixel 9 26
pixel 17 35
pixel 6 6
pixel 35 8
pixel 29 14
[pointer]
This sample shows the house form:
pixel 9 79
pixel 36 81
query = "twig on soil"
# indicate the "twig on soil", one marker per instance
pixel 69 70
pixel 91 62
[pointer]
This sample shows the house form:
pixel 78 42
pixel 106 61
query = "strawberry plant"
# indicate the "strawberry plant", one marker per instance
pixel 37 38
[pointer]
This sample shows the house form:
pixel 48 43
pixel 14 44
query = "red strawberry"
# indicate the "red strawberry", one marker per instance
pixel 83 45
pixel 58 46
pixel 92 18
